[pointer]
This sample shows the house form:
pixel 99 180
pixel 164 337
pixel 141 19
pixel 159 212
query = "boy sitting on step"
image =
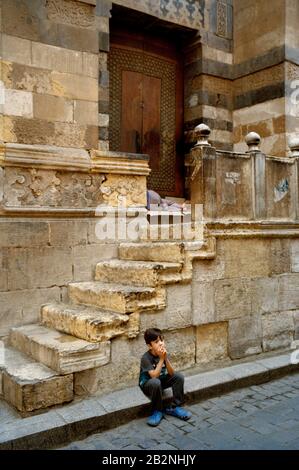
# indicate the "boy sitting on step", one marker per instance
pixel 156 374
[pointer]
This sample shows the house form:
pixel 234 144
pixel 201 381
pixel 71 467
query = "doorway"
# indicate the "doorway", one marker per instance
pixel 146 104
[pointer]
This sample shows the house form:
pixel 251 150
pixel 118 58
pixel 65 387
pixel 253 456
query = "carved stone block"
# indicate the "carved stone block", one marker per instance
pixel 119 189
pixel 29 187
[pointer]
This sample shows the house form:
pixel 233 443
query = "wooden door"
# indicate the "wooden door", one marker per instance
pixel 140 115
pixel 146 107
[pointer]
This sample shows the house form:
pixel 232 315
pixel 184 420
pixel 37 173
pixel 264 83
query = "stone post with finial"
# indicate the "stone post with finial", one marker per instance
pixel 253 141
pixel 202 133
pixel 294 146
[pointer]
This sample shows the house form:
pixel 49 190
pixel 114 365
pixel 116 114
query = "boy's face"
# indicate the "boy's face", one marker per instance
pixel 156 345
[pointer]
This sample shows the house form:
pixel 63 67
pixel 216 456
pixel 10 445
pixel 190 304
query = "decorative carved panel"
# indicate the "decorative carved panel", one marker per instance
pixel 222 19
pixel 185 12
pixel 31 187
pixel 124 190
pixel 71 12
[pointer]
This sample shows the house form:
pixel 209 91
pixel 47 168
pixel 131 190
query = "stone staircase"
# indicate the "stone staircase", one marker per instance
pixel 41 359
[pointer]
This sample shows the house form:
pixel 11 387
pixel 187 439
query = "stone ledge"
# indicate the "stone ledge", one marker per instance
pixel 54 157
pixel 64 424
pixel 120 162
pixel 44 156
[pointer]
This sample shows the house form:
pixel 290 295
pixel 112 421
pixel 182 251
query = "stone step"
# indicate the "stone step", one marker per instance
pixel 117 297
pixel 62 353
pixel 29 385
pixel 90 324
pixel 172 252
pixel 138 273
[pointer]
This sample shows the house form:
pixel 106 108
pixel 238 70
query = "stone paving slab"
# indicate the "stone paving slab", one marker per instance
pixel 98 414
pixel 273 428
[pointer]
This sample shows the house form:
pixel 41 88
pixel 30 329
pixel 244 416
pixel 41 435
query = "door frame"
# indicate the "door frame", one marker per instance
pixel 159 47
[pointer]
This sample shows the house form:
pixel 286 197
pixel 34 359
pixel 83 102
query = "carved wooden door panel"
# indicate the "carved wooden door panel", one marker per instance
pixel 146 110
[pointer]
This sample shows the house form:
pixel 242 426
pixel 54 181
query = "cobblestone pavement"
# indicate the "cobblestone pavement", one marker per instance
pixel 259 417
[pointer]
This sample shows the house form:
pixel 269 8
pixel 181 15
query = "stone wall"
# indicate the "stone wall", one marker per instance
pixel 208 75
pixel 244 302
pixel 38 258
pixel 250 301
pixel 51 200
pixel 50 71
pixel 265 64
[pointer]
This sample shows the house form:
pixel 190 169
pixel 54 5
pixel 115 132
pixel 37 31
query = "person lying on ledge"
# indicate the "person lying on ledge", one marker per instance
pixel 154 199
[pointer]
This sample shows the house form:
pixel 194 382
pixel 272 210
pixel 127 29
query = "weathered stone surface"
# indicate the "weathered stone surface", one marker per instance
pixel 3 272
pixel 103 120
pixel 181 347
pixel 177 313
pixel 39 131
pixel 95 239
pixel 21 18
pixel 169 252
pixel 87 323
pixel 29 386
pixel 63 353
pixel 39 267
pixel 116 297
pixel 90 64
pixel 288 292
pixel 278 330
pixel 260 79
pixel 118 188
pixel 265 295
pixel 211 342
pixel 69 24
pixel 68 232
pixel 264 111
pixel 16 49
pixel 91 137
pixel 244 259
pixel 245 336
pixel 121 372
pixel 232 298
pixel 52 108
pixel 203 302
pixel 138 273
pixel 25 187
pixel 77 87
pixel 18 103
pixel 26 78
pixel 294 256
pixel 279 180
pixel 23 306
pixel 234 189
pixel 72 12
pixel 267 34
pixel 23 233
pixel 86 112
pixel 280 256
pixel 86 257
pixel 208 270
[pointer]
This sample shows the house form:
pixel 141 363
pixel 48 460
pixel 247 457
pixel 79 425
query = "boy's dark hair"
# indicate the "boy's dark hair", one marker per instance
pixel 151 334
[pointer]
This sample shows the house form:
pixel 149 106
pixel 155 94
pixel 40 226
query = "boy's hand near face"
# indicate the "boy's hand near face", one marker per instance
pixel 162 352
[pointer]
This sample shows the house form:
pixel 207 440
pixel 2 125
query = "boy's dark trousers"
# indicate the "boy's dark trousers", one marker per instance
pixel 153 389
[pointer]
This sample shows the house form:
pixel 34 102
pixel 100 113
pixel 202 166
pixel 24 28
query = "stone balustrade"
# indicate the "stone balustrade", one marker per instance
pixel 244 187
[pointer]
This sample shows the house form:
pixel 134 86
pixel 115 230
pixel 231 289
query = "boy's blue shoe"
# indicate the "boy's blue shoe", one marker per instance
pixel 155 418
pixel 178 412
